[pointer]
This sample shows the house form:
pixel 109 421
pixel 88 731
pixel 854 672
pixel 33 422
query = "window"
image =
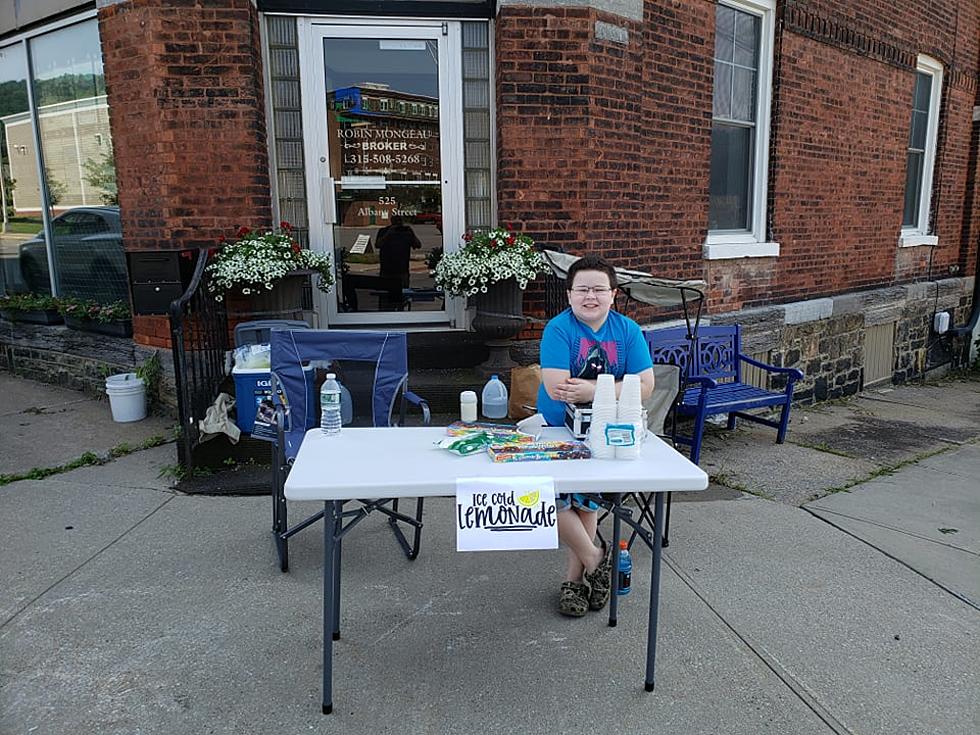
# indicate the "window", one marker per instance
pixel 58 183
pixel 923 131
pixel 740 130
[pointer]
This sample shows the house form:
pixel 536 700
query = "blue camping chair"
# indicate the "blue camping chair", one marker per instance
pixel 386 355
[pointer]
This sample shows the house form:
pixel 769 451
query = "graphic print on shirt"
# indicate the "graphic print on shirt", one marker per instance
pixel 595 358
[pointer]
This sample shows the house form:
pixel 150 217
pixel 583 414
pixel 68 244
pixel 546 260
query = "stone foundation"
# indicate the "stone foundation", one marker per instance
pixel 825 338
pixel 78 360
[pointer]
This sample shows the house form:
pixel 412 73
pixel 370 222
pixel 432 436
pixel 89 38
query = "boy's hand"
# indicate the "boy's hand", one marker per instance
pixel 577 390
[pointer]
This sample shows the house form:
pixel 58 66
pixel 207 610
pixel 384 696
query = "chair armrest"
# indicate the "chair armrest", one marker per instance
pixel 794 373
pixel 421 403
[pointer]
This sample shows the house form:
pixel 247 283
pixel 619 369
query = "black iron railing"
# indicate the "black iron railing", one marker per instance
pixel 199 335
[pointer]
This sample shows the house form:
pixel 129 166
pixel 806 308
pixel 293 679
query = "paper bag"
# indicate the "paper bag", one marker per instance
pixel 524 382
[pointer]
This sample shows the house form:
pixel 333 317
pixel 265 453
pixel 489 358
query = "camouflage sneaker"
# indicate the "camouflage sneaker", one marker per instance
pixel 598 580
pixel 574 599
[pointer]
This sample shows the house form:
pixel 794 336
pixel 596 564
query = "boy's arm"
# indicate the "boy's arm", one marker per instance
pixel 579 390
pixel 555 382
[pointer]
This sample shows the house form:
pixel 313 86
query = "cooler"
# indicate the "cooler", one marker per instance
pixel 254 385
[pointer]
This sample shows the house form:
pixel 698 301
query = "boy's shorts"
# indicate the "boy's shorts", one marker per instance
pixel 564 501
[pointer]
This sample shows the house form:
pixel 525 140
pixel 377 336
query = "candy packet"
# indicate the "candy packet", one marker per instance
pixel 464 444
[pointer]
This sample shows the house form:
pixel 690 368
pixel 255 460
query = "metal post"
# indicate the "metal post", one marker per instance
pixel 658 534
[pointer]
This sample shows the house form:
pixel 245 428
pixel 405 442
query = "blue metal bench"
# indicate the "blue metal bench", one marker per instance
pixel 711 375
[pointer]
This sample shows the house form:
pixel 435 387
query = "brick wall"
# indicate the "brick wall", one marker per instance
pixel 605 146
pixel 184 81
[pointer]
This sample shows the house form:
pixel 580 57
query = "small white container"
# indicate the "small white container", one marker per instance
pixel 467 406
pixel 127 397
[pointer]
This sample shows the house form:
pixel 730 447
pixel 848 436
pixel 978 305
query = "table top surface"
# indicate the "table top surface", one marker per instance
pixel 404 462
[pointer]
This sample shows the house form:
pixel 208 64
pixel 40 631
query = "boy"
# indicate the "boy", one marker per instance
pixel 577 345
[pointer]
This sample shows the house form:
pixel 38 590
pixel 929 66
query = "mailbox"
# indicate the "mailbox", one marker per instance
pixel 159 277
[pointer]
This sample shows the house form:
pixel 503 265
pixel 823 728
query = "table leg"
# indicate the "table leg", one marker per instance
pixel 338 547
pixel 658 533
pixel 614 581
pixel 331 516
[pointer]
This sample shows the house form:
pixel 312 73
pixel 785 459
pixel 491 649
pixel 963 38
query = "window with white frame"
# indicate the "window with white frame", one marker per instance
pixel 740 130
pixel 923 132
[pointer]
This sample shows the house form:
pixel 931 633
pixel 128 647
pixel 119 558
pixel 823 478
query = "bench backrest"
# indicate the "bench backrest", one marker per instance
pixel 717 352
pixel 713 354
pixel 670 347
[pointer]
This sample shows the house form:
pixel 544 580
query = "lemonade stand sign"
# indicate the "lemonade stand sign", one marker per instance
pixel 504 514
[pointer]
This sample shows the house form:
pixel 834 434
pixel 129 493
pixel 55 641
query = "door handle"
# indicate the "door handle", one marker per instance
pixel 329 200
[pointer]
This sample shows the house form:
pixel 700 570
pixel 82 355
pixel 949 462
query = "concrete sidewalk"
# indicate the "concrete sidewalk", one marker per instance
pixel 128 607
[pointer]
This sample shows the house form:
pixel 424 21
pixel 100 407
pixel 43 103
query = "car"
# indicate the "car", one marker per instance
pixel 428 218
pixel 89 252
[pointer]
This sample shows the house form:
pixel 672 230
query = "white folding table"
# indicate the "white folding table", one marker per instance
pixel 403 462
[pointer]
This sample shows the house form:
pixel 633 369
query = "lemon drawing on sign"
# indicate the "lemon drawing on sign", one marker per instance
pixel 530 499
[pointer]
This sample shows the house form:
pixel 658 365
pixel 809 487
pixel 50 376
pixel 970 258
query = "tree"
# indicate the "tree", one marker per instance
pixel 56 189
pixel 101 174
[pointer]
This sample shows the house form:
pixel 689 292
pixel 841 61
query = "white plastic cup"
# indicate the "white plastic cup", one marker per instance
pixel 605 393
pixel 629 394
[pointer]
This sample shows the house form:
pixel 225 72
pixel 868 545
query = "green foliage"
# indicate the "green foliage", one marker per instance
pixel 39 473
pixel 9 185
pixel 101 174
pixel 151 371
pixel 433 257
pixel 28 302
pixel 93 310
pixel 56 189
pixel 13 97
pixel 68 87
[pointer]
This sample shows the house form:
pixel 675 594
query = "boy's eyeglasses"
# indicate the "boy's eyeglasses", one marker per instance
pixel 584 290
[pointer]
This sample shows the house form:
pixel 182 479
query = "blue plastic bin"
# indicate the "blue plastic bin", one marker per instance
pixel 252 386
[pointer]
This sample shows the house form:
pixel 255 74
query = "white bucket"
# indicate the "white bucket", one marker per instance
pixel 127 397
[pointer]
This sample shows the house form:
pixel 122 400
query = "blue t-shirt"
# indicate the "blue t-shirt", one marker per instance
pixel 568 344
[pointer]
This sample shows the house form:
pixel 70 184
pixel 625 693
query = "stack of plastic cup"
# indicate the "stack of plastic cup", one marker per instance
pixel 603 414
pixel 630 411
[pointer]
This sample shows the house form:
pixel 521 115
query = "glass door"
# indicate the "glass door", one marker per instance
pixel 384 165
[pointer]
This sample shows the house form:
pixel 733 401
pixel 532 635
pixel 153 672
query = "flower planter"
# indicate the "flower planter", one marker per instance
pixel 498 318
pixel 39 316
pixel 110 329
pixel 499 311
pixel 283 300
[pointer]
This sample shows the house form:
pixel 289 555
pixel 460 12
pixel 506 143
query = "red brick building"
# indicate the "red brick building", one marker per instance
pixel 814 162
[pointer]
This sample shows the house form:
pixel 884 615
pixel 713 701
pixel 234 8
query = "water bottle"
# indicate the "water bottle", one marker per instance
pixel 495 399
pixel 330 418
pixel 625 568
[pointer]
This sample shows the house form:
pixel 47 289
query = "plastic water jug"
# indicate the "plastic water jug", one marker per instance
pixel 495 399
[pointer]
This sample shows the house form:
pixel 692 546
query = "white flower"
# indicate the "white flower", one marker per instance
pixel 258 260
pixel 486 258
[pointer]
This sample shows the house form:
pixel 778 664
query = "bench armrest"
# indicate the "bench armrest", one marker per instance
pixel 793 373
pixel 703 380
pixel 421 403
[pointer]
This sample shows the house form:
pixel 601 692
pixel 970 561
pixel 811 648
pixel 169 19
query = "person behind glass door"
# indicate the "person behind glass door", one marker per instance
pixel 395 245
pixel 579 344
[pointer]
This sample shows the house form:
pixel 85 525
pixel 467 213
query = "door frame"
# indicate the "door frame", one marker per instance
pixel 311 33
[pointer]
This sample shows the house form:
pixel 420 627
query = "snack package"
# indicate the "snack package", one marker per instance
pixel 537 451
pixel 464 444
pixel 457 428
pixel 501 433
